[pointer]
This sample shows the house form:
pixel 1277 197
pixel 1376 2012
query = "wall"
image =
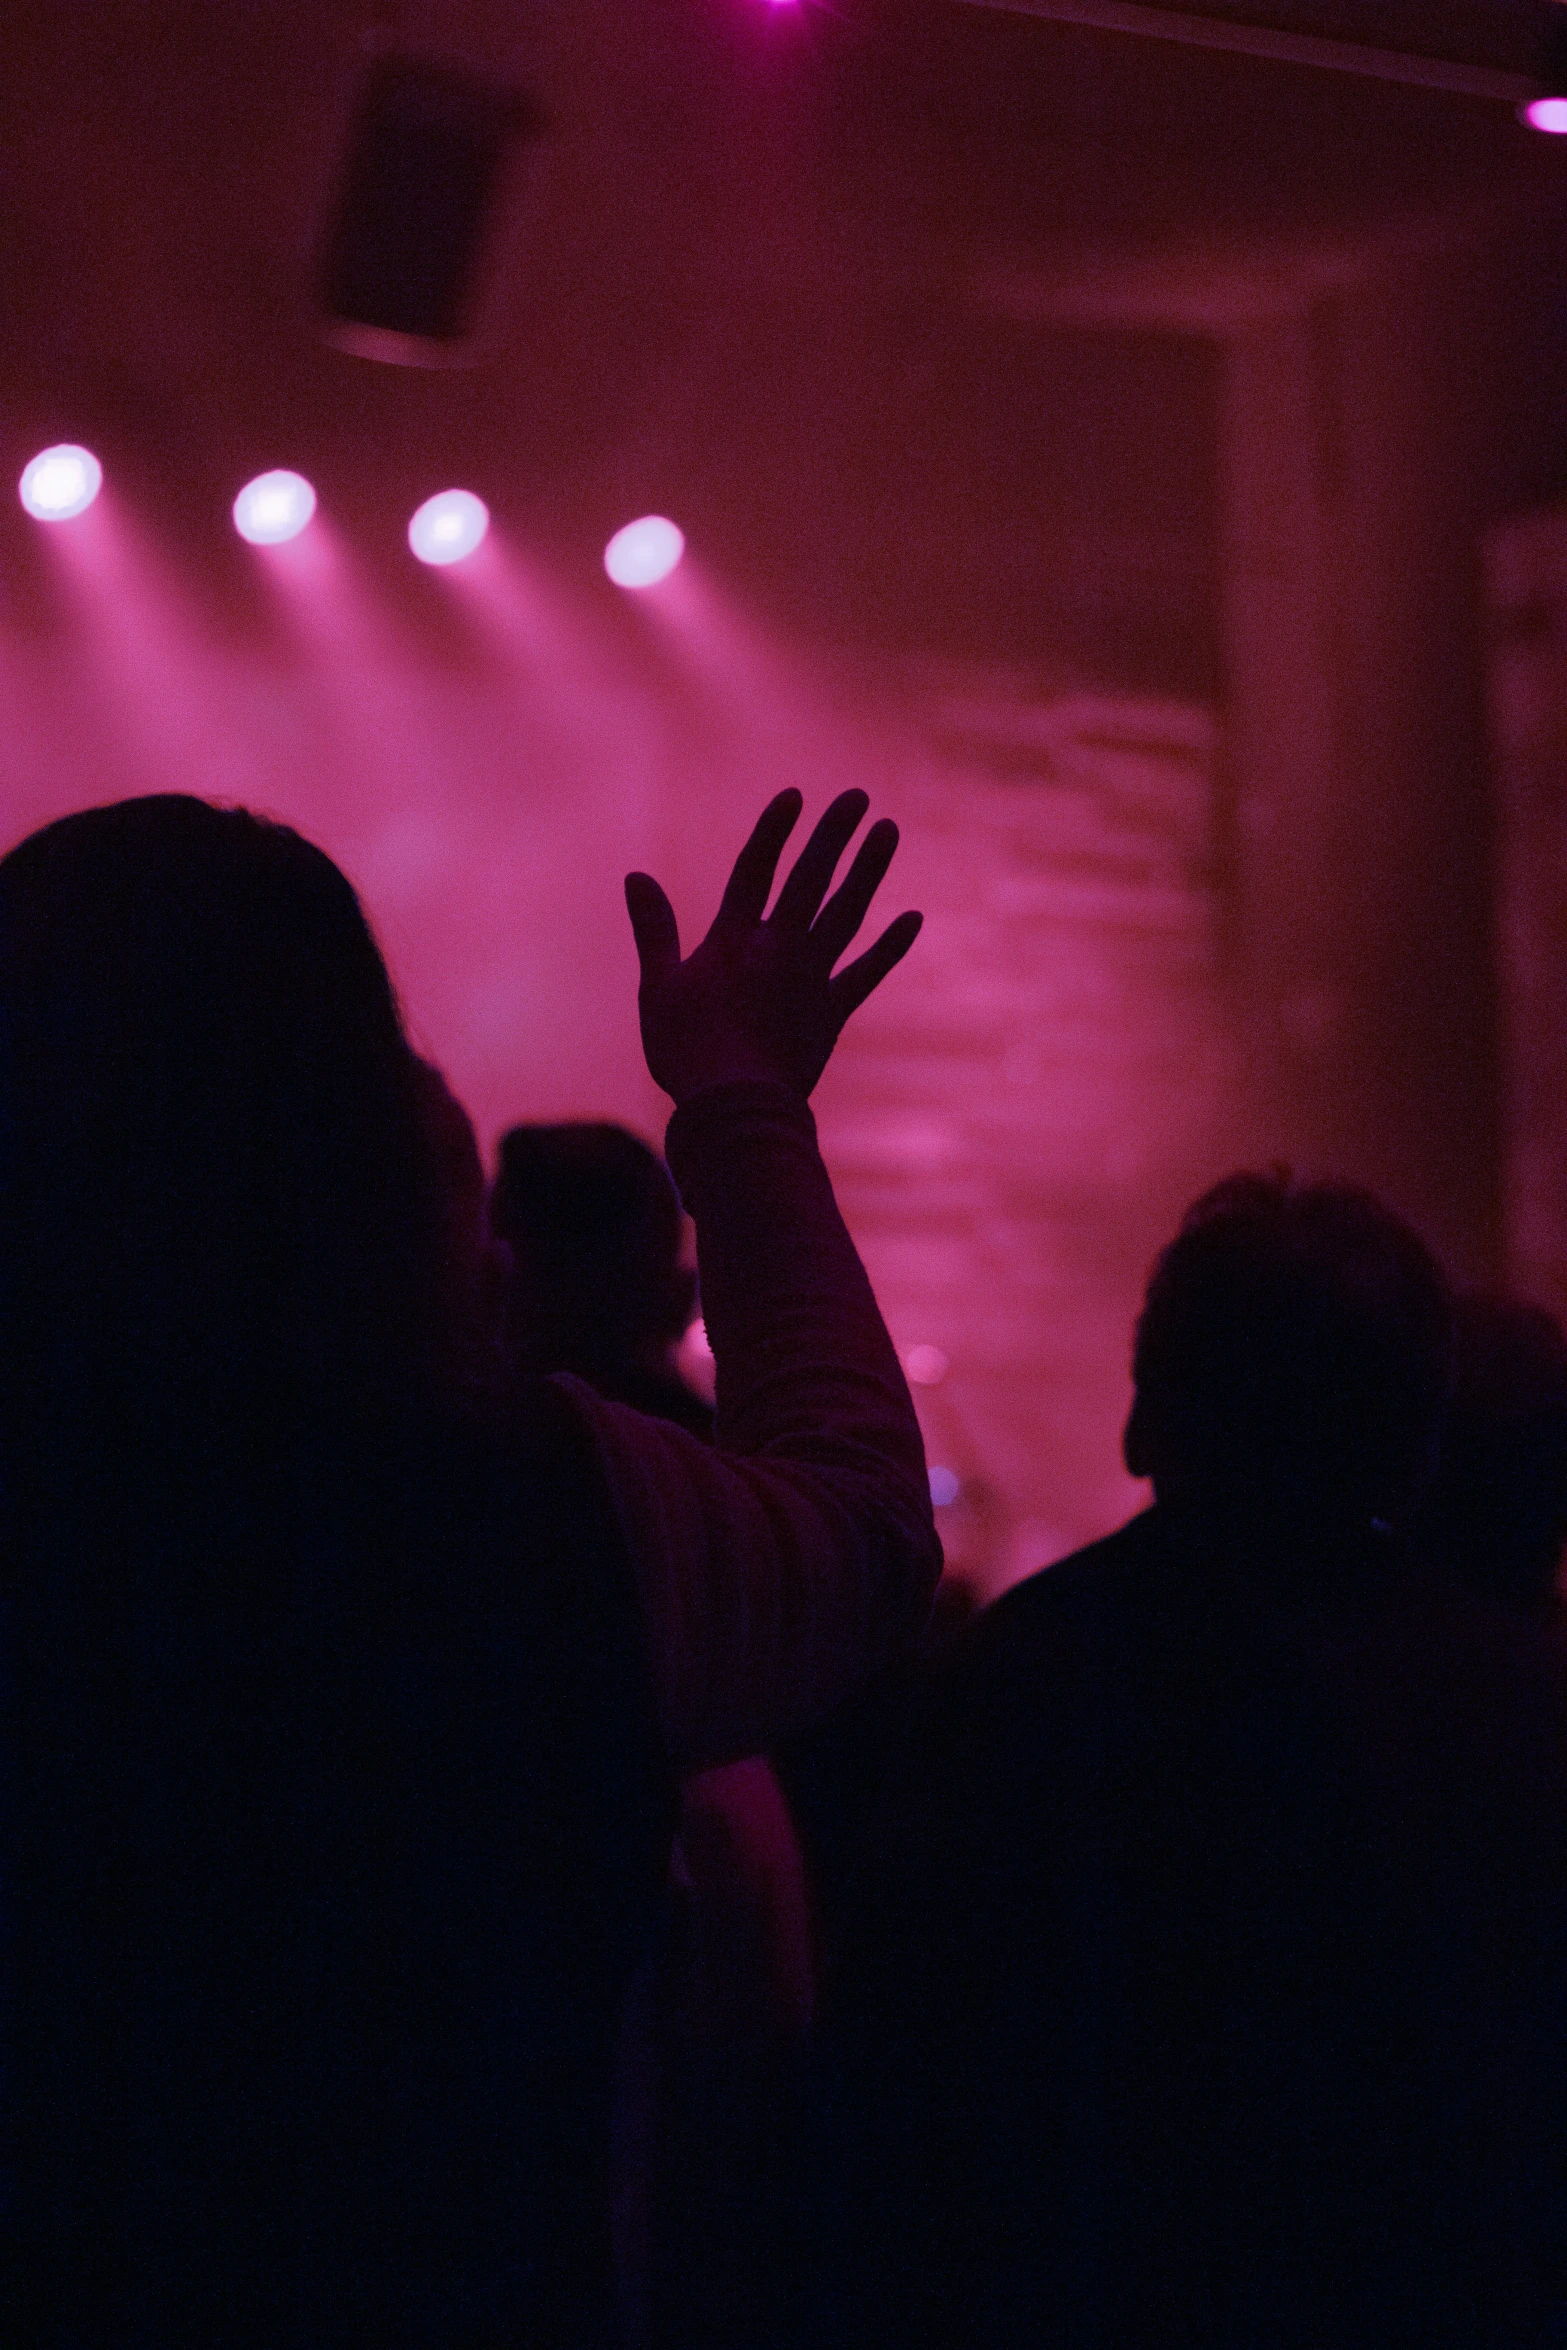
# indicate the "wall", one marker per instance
pixel 1527 582
pixel 1373 433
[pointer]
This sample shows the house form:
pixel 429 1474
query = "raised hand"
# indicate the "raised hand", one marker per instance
pixel 758 997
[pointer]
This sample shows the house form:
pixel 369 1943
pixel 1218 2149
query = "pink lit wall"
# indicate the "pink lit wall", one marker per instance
pixel 1014 1121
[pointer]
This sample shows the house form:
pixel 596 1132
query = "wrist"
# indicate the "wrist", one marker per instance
pixel 707 1127
pixel 737 1067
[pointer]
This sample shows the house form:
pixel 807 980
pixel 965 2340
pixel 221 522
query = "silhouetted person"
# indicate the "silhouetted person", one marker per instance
pixel 1495 1513
pixel 344 1696
pixel 593 1222
pixel 1208 1984
pixel 477 1267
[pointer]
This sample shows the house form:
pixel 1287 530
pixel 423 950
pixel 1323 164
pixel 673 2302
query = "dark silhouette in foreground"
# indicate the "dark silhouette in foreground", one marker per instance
pixel 1495 1513
pixel 344 1689
pixel 1207 1987
pixel 591 1222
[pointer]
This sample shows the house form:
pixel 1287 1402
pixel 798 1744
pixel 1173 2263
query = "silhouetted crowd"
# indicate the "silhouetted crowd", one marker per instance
pixel 493 1853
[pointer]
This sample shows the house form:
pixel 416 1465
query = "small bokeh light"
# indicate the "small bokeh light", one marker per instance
pixel 273 507
pixel 926 1366
pixel 448 526
pixel 645 552
pixel 1546 114
pixel 61 483
pixel 945 1486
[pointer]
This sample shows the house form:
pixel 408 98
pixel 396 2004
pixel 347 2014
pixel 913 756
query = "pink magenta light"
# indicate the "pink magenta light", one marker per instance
pixel 1546 114
pixel 448 526
pixel 273 507
pixel 644 552
pixel 61 482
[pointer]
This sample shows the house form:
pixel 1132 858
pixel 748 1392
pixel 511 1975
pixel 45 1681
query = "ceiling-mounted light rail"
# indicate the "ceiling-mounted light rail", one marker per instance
pixel 1284 48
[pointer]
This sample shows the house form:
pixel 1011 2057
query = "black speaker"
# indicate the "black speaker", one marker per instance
pixel 432 151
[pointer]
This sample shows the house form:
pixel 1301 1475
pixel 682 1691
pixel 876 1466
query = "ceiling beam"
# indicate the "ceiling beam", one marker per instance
pixel 1210 32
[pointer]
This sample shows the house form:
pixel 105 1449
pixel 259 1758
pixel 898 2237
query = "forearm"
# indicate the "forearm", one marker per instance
pixel 778 1571
pixel 803 1355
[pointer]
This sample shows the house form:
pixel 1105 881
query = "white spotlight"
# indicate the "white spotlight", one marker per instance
pixel 61 482
pixel 448 526
pixel 644 552
pixel 1546 114
pixel 273 507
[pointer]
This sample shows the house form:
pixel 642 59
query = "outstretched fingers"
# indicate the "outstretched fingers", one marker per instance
pixel 857 979
pixel 849 904
pixel 808 884
pixel 745 899
pixel 654 928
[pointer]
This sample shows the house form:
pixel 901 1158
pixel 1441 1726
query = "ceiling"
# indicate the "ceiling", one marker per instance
pixel 165 163
pixel 864 259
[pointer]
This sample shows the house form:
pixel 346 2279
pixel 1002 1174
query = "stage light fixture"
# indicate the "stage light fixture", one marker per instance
pixel 1547 111
pixel 273 507
pixel 448 526
pixel 645 552
pixel 61 482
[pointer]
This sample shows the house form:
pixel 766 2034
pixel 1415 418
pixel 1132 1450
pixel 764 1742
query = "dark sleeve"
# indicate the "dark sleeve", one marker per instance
pixel 781 1569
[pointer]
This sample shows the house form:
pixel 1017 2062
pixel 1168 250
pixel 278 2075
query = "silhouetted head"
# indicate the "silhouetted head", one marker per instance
pixel 1496 1510
pixel 593 1221
pixel 218 1180
pixel 1292 1356
pixel 476 1267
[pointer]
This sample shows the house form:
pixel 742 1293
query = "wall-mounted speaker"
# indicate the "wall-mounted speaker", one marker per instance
pixel 432 161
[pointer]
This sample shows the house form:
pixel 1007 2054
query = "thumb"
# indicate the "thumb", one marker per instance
pixel 654 928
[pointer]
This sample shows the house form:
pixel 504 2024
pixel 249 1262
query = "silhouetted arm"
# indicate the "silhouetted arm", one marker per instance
pixel 778 1571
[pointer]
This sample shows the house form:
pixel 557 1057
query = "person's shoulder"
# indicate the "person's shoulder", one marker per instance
pixel 1023 1655
pixel 502 1501
pixel 1486 1656
pixel 660 1395
pixel 1087 1586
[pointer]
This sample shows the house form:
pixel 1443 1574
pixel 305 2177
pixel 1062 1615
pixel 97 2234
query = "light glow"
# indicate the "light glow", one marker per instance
pixel 1546 114
pixel 644 552
pixel 273 507
pixel 926 1366
pixel 945 1486
pixel 448 526
pixel 61 482
pixel 694 1362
